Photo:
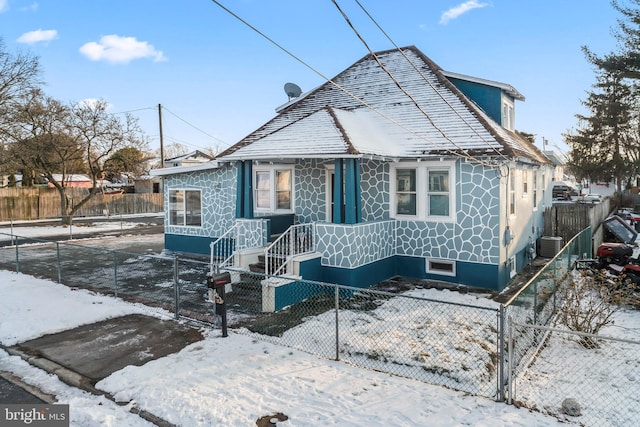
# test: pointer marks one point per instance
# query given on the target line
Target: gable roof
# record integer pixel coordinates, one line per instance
(196, 155)
(510, 90)
(362, 111)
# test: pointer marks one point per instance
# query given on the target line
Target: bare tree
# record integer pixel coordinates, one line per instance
(57, 140)
(19, 75)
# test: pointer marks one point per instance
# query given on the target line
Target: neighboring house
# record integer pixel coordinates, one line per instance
(375, 182)
(73, 181)
(192, 158)
(152, 183)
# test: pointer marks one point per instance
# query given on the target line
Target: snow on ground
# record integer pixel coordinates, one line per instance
(88, 224)
(231, 381)
(235, 380)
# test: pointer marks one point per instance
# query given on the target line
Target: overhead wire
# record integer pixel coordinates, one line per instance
(346, 91)
(136, 110)
(179, 118)
(375, 22)
(193, 126)
(406, 93)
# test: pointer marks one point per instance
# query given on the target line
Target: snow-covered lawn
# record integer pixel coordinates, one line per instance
(235, 380)
(231, 381)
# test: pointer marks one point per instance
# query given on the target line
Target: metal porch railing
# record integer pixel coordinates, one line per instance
(242, 235)
(297, 240)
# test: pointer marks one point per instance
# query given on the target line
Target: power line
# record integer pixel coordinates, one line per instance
(136, 110)
(435, 89)
(193, 126)
(364, 103)
(407, 94)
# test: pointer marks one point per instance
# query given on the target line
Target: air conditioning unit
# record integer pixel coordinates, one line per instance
(549, 246)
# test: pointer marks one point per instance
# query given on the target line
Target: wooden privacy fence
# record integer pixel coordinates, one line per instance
(567, 220)
(41, 203)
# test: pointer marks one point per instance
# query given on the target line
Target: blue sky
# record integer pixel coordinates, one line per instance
(219, 80)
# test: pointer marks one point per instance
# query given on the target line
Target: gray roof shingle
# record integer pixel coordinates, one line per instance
(363, 112)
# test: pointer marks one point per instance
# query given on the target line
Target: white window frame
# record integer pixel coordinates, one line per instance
(508, 113)
(512, 267)
(431, 270)
(525, 183)
(272, 170)
(183, 208)
(534, 189)
(512, 194)
(422, 190)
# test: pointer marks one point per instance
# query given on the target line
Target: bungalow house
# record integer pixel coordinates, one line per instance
(393, 167)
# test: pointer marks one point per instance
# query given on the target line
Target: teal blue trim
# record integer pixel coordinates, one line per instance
(484, 276)
(248, 189)
(487, 97)
(350, 193)
(358, 191)
(279, 223)
(239, 190)
(295, 292)
(188, 244)
(338, 193)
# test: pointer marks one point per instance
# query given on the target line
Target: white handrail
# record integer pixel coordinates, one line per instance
(297, 240)
(226, 246)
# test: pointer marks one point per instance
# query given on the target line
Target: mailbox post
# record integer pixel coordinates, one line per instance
(217, 283)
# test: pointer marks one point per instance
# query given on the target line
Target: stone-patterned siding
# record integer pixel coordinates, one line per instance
(374, 178)
(251, 233)
(474, 237)
(478, 234)
(351, 246)
(310, 190)
(218, 202)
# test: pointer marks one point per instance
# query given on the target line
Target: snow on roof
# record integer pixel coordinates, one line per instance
(363, 112)
(71, 177)
(503, 86)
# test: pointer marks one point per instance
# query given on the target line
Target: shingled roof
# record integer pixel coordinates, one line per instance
(363, 112)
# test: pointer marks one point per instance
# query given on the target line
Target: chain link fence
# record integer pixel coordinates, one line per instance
(603, 382)
(536, 302)
(401, 330)
(405, 334)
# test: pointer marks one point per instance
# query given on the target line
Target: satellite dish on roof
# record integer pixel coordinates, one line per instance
(292, 90)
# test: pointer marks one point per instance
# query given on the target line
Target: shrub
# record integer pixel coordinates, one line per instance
(587, 303)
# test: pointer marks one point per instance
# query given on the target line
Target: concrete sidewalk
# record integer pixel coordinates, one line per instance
(83, 356)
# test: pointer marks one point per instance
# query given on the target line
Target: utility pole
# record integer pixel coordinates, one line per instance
(161, 138)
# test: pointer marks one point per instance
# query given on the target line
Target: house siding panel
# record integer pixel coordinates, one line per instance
(218, 190)
(311, 190)
(374, 184)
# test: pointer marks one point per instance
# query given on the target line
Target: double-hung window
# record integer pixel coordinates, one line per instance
(439, 198)
(423, 191)
(535, 189)
(273, 189)
(406, 195)
(185, 208)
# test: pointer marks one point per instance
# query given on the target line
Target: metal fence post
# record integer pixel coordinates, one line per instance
(510, 362)
(115, 273)
(58, 262)
(176, 290)
(17, 255)
(501, 355)
(337, 304)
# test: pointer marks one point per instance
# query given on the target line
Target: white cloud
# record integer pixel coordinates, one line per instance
(37, 36)
(33, 7)
(463, 8)
(4, 5)
(120, 50)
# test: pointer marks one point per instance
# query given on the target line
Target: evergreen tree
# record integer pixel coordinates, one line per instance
(606, 147)
(628, 34)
